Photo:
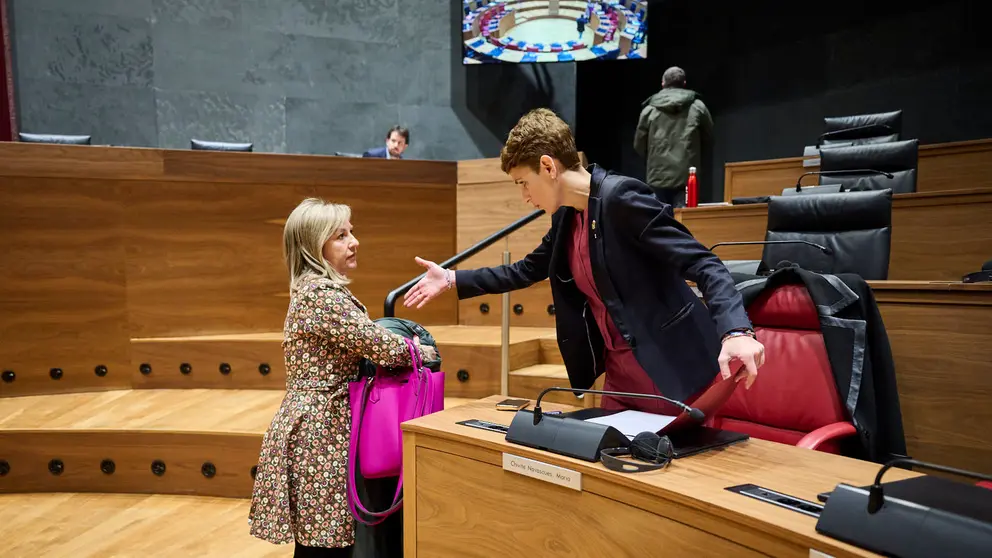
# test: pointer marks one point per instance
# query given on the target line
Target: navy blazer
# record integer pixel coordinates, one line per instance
(641, 258)
(377, 152)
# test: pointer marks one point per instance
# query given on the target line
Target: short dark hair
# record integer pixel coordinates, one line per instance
(673, 77)
(401, 131)
(537, 133)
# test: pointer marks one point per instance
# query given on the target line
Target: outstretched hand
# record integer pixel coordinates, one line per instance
(435, 282)
(750, 352)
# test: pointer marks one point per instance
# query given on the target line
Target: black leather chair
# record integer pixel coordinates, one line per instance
(861, 129)
(898, 158)
(200, 145)
(854, 227)
(54, 138)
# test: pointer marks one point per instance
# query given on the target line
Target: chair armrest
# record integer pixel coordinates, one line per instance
(827, 433)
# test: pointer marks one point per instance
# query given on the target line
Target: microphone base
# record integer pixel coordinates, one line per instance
(564, 435)
(925, 516)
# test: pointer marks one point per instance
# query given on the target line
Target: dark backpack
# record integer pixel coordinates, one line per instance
(408, 329)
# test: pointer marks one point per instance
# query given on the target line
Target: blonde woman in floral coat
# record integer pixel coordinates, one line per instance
(300, 490)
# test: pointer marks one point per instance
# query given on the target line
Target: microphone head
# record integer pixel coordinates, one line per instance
(696, 414)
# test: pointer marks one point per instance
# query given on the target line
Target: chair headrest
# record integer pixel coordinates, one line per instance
(891, 119)
(202, 145)
(785, 306)
(54, 138)
(824, 213)
(891, 156)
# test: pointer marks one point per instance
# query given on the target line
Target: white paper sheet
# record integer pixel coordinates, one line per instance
(632, 423)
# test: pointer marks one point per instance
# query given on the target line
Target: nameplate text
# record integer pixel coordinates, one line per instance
(542, 471)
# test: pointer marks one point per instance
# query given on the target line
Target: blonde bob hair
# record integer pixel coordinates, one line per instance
(307, 229)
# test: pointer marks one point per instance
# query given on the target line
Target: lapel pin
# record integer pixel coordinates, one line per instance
(594, 224)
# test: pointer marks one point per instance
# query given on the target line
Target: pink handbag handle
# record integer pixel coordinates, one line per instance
(354, 500)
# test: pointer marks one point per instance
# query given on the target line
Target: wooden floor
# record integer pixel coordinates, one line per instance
(103, 525)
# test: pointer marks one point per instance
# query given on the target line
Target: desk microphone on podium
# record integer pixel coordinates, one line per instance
(573, 437)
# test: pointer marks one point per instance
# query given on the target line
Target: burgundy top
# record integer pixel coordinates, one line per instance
(623, 372)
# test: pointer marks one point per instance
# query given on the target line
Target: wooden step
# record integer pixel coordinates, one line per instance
(97, 525)
(471, 359)
(529, 382)
(191, 431)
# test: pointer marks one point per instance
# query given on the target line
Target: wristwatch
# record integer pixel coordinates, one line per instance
(739, 332)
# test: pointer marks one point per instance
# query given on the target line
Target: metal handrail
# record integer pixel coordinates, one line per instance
(389, 308)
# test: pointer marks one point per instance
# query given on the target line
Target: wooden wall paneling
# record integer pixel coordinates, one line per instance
(745, 179)
(710, 225)
(245, 357)
(939, 342)
(152, 243)
(940, 236)
(39, 160)
(81, 452)
(206, 258)
(488, 201)
(62, 285)
(954, 166)
(394, 226)
(534, 300)
(307, 170)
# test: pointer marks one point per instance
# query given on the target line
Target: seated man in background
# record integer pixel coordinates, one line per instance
(397, 140)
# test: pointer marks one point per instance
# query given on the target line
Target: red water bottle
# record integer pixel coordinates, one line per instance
(691, 190)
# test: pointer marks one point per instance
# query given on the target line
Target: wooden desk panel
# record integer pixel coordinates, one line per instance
(688, 499)
(62, 285)
(942, 166)
(530, 517)
(936, 237)
(939, 336)
(132, 163)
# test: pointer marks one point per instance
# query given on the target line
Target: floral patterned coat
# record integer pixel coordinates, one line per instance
(301, 485)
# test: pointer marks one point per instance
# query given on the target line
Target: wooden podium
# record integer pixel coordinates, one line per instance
(462, 502)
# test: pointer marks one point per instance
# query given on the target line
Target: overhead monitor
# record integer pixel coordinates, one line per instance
(525, 31)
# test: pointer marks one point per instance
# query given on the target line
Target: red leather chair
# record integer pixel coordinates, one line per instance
(794, 400)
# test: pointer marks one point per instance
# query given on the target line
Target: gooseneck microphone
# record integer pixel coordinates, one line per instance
(843, 172)
(876, 494)
(694, 413)
(821, 247)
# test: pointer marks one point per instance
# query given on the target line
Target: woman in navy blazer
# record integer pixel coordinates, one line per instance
(618, 262)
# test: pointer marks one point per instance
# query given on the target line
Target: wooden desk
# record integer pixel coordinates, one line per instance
(942, 166)
(937, 236)
(461, 503)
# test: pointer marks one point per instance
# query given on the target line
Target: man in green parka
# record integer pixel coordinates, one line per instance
(673, 126)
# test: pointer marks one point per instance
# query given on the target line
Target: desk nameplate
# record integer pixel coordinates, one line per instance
(542, 471)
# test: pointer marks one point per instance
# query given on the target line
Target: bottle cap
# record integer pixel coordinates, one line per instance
(692, 169)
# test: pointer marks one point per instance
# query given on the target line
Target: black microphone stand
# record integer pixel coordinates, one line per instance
(694, 413)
